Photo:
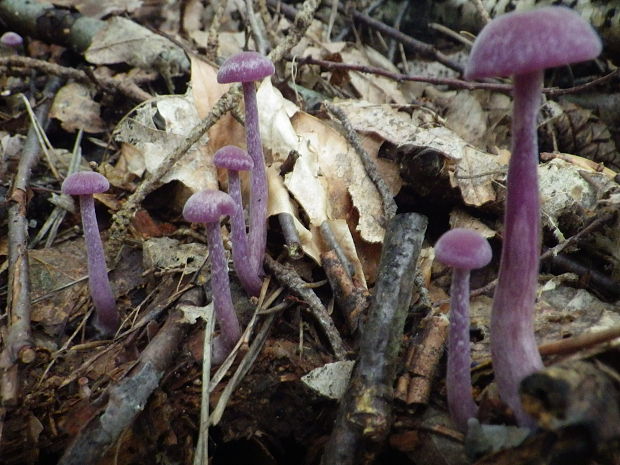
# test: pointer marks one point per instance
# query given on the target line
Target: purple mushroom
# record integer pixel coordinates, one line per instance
(463, 250)
(234, 160)
(208, 207)
(523, 44)
(247, 67)
(84, 184)
(11, 39)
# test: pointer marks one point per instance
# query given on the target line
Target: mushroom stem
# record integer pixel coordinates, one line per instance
(247, 275)
(458, 377)
(107, 319)
(258, 205)
(513, 345)
(220, 285)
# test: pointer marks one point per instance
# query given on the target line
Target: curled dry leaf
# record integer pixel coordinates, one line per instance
(167, 254)
(152, 132)
(473, 171)
(75, 109)
(326, 177)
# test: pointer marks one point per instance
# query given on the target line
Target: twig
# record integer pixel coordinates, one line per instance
(422, 361)
(292, 242)
(332, 243)
(352, 300)
(289, 278)
(129, 396)
(389, 205)
(257, 29)
(243, 368)
(123, 86)
(52, 224)
(450, 82)
(484, 14)
(202, 445)
(409, 42)
(18, 340)
(579, 342)
(364, 415)
(400, 14)
(213, 37)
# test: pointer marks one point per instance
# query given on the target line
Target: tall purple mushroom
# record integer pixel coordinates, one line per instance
(234, 160)
(84, 184)
(523, 44)
(247, 67)
(463, 250)
(208, 207)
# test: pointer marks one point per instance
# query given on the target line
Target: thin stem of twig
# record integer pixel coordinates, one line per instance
(202, 446)
(125, 86)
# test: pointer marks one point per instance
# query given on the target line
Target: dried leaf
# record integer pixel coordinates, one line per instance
(164, 253)
(75, 109)
(146, 145)
(123, 41)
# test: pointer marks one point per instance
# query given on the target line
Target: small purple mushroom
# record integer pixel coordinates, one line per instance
(463, 250)
(523, 44)
(234, 160)
(84, 184)
(247, 67)
(11, 39)
(208, 207)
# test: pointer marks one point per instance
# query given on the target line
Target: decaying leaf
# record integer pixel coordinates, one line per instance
(75, 109)
(154, 130)
(474, 171)
(330, 380)
(165, 253)
(124, 41)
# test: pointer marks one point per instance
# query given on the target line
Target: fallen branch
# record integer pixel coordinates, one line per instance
(365, 412)
(18, 340)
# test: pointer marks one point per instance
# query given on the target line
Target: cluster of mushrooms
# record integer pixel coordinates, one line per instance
(521, 44)
(207, 207)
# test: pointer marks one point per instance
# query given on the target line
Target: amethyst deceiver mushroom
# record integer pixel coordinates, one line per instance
(246, 68)
(84, 184)
(463, 250)
(234, 160)
(208, 207)
(523, 44)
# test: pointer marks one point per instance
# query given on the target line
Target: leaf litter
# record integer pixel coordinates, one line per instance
(465, 132)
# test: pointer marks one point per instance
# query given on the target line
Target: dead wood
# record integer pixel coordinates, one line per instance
(17, 335)
(364, 415)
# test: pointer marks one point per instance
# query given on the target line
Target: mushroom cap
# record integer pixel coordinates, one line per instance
(245, 67)
(463, 248)
(208, 206)
(233, 158)
(525, 41)
(11, 39)
(85, 183)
